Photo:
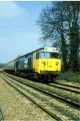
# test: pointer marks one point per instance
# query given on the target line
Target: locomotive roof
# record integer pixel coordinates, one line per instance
(25, 55)
(48, 49)
(30, 53)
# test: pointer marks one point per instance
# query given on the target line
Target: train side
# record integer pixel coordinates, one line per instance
(9, 67)
(43, 63)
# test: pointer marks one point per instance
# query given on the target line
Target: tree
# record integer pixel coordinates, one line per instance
(73, 20)
(52, 25)
(59, 23)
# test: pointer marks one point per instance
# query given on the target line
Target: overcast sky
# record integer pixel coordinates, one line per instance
(19, 33)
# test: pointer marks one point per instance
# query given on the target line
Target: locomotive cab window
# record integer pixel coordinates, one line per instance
(48, 55)
(37, 55)
(54, 55)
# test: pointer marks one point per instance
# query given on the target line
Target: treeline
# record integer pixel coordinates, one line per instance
(60, 25)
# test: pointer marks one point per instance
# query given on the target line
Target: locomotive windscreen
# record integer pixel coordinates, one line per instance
(48, 55)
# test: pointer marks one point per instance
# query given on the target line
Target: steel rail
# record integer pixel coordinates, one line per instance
(72, 86)
(48, 112)
(68, 101)
(66, 89)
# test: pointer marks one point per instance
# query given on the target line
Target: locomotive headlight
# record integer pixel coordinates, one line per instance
(57, 63)
(44, 62)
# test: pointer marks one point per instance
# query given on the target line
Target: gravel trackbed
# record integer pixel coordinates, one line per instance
(16, 107)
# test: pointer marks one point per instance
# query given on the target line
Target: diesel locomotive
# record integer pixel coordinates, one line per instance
(43, 63)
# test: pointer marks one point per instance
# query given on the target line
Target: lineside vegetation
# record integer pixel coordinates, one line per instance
(70, 76)
(60, 26)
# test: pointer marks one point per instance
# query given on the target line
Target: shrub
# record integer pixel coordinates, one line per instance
(70, 76)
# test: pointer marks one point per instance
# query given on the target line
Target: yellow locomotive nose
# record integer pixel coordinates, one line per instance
(50, 65)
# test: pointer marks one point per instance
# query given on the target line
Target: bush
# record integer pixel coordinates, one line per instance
(70, 76)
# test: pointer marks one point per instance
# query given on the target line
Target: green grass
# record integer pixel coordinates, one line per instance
(70, 76)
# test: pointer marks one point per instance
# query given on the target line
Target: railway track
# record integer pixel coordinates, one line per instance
(19, 88)
(50, 112)
(64, 88)
(67, 85)
(68, 101)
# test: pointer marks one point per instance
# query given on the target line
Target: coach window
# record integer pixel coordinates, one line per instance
(37, 55)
